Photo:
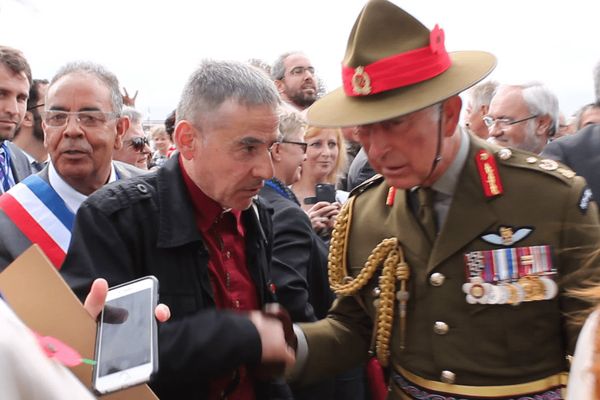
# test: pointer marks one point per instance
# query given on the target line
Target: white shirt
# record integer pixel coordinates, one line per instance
(72, 197)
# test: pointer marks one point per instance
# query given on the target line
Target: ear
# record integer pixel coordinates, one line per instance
(186, 138)
(28, 120)
(276, 155)
(483, 110)
(122, 126)
(543, 125)
(451, 115)
(280, 86)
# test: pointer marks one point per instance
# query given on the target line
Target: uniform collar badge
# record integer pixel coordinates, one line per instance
(507, 236)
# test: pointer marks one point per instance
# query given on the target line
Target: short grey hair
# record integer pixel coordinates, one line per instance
(581, 111)
(134, 115)
(481, 94)
(290, 122)
(540, 101)
(104, 75)
(215, 82)
(278, 68)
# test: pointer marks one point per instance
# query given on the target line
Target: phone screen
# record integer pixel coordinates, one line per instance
(126, 333)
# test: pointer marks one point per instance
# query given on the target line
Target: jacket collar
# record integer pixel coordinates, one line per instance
(177, 226)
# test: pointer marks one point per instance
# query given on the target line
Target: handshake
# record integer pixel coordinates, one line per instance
(278, 341)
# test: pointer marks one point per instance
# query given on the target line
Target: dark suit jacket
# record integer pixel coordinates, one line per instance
(299, 265)
(19, 164)
(13, 242)
(581, 152)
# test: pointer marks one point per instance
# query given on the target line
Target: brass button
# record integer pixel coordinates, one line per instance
(441, 328)
(448, 376)
(437, 279)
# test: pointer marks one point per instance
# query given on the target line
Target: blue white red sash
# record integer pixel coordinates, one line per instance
(42, 215)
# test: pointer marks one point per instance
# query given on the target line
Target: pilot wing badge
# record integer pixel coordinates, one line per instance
(507, 236)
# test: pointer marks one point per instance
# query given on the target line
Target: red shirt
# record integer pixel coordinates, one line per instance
(233, 288)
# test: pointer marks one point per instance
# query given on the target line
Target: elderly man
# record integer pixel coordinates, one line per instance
(83, 125)
(294, 76)
(136, 148)
(452, 266)
(197, 226)
(15, 81)
(523, 117)
(477, 107)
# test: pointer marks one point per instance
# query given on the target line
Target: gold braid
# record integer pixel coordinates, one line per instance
(388, 252)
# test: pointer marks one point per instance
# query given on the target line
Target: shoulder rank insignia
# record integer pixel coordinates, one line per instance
(584, 200)
(488, 173)
(507, 236)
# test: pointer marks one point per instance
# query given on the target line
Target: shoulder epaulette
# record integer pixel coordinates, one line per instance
(366, 185)
(522, 159)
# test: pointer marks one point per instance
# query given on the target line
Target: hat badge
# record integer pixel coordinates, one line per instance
(361, 81)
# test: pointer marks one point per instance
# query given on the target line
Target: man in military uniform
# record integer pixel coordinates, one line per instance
(452, 265)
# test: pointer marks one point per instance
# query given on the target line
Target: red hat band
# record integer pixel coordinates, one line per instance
(399, 70)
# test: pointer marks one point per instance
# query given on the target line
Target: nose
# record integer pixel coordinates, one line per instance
(495, 130)
(10, 106)
(72, 127)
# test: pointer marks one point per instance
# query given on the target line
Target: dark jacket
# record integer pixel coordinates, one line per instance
(299, 266)
(146, 226)
(581, 152)
(19, 164)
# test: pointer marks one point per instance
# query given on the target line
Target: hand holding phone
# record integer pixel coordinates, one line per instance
(126, 340)
(324, 192)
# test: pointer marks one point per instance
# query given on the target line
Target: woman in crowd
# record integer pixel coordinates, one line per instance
(325, 159)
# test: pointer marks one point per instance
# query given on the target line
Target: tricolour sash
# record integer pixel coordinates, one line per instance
(42, 215)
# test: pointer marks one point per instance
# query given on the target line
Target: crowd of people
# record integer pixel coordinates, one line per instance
(418, 248)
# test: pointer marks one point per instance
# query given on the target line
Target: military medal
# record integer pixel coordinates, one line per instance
(509, 275)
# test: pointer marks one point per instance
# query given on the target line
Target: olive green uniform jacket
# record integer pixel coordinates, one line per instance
(484, 344)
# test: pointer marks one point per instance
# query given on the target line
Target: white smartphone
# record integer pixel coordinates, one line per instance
(126, 339)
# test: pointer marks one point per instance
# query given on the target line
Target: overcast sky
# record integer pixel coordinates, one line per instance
(153, 46)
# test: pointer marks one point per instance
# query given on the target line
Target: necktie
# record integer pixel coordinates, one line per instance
(4, 171)
(37, 166)
(425, 213)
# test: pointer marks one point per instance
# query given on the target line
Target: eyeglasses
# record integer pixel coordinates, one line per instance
(88, 119)
(504, 122)
(303, 145)
(297, 71)
(138, 143)
(36, 106)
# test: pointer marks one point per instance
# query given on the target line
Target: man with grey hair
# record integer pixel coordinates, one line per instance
(136, 149)
(477, 107)
(294, 76)
(83, 125)
(197, 225)
(523, 116)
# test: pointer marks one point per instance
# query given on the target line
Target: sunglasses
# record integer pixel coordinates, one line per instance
(138, 143)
